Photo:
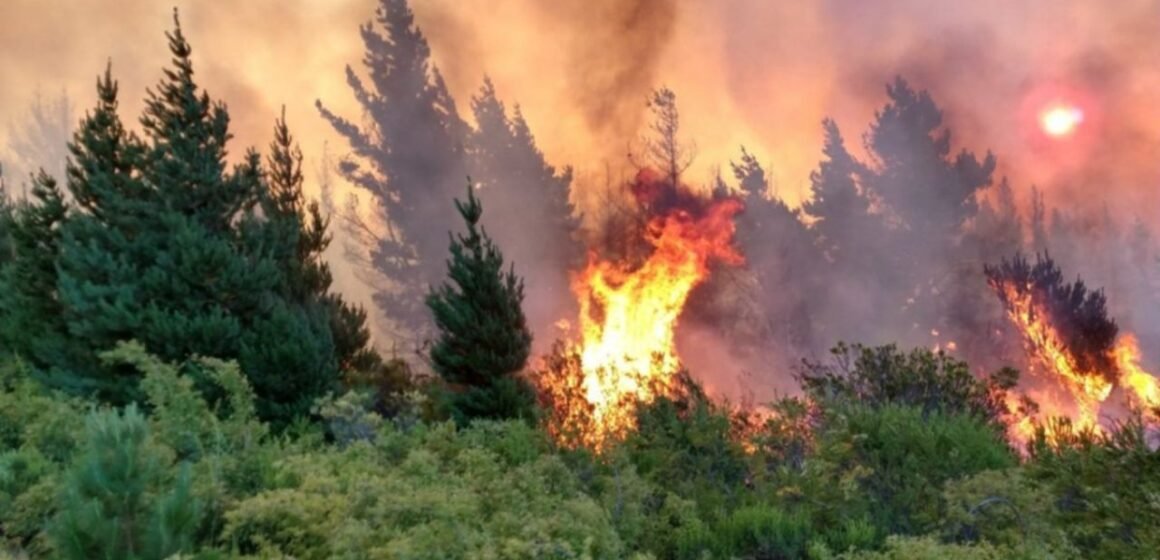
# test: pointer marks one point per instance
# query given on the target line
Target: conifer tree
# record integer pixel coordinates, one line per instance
(931, 193)
(409, 156)
(120, 503)
(1079, 315)
(302, 228)
(170, 246)
(781, 252)
(33, 323)
(6, 224)
(839, 207)
(998, 230)
(512, 172)
(484, 339)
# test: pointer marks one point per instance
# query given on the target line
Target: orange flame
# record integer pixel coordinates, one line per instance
(1142, 386)
(1087, 389)
(628, 315)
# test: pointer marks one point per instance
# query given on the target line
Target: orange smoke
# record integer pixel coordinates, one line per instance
(629, 313)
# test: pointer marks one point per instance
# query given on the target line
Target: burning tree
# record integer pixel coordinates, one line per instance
(629, 310)
(1079, 316)
(1067, 330)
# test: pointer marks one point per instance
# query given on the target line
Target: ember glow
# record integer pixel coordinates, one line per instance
(629, 312)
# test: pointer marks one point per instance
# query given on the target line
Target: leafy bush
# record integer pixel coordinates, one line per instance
(931, 381)
(1106, 487)
(448, 496)
(890, 463)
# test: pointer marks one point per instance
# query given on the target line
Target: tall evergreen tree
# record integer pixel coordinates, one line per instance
(998, 229)
(169, 246)
(302, 228)
(409, 156)
(33, 323)
(663, 149)
(1038, 220)
(839, 207)
(931, 197)
(484, 339)
(540, 225)
(780, 251)
(855, 240)
(7, 249)
(930, 193)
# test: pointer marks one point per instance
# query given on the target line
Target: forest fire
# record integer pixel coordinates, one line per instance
(1067, 333)
(629, 310)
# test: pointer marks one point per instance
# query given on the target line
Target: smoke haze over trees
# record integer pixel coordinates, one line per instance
(730, 280)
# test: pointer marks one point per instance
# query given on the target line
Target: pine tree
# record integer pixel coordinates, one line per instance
(33, 322)
(930, 193)
(483, 339)
(169, 246)
(1038, 220)
(663, 150)
(998, 230)
(409, 157)
(839, 207)
(1079, 315)
(855, 240)
(119, 501)
(781, 252)
(512, 172)
(7, 248)
(303, 229)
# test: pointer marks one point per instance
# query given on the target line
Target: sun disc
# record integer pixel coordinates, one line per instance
(1060, 120)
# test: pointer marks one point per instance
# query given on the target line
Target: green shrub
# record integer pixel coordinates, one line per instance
(890, 464)
(119, 499)
(1106, 487)
(450, 495)
(931, 381)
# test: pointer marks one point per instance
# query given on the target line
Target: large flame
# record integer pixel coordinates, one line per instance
(629, 312)
(1087, 390)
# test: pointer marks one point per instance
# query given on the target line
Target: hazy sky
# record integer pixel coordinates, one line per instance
(754, 72)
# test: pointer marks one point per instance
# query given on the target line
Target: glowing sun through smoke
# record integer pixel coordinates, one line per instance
(1060, 119)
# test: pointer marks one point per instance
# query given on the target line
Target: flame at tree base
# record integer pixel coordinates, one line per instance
(629, 313)
(1077, 384)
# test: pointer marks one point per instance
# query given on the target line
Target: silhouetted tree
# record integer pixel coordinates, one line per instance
(998, 229)
(663, 149)
(859, 269)
(930, 193)
(40, 139)
(409, 155)
(536, 224)
(1038, 221)
(484, 339)
(781, 265)
(839, 208)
